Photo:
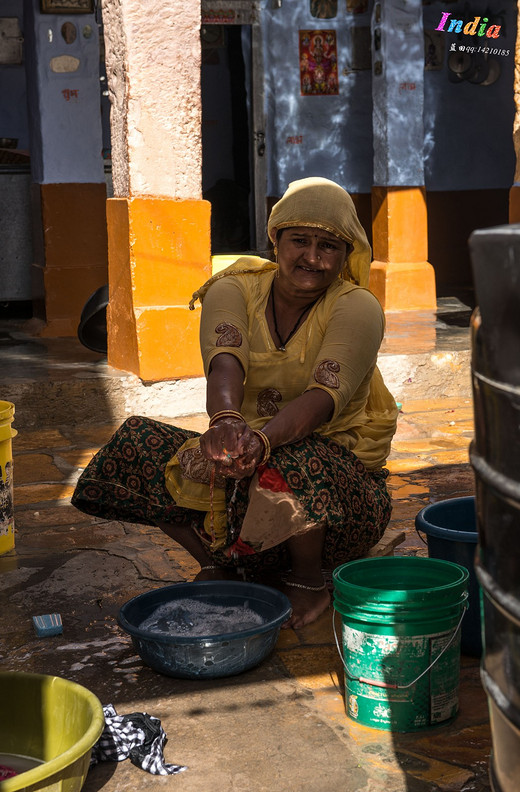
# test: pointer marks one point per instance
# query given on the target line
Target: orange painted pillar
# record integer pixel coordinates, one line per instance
(401, 277)
(159, 248)
(159, 254)
(70, 263)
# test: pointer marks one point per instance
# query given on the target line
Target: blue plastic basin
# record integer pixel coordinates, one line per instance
(451, 530)
(207, 656)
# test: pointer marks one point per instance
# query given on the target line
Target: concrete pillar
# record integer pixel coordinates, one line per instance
(514, 193)
(158, 224)
(69, 192)
(401, 277)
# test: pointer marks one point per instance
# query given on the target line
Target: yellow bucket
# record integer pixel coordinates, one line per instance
(6, 477)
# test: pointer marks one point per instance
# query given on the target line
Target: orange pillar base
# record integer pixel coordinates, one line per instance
(401, 277)
(159, 254)
(514, 204)
(405, 286)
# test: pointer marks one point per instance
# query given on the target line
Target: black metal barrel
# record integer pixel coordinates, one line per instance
(495, 457)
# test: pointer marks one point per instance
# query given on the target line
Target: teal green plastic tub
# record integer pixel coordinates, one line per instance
(401, 620)
(207, 656)
(49, 724)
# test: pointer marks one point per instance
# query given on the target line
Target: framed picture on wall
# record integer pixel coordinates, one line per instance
(67, 6)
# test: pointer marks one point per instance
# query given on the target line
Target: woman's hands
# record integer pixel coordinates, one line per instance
(233, 446)
(229, 442)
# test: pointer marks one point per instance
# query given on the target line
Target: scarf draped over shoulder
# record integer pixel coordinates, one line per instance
(321, 203)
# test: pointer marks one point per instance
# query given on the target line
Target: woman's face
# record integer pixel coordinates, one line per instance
(310, 259)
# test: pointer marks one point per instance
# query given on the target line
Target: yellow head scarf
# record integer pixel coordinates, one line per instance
(321, 203)
(317, 203)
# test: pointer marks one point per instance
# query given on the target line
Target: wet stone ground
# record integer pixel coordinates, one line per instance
(281, 726)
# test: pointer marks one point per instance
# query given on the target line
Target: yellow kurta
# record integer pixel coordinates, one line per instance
(334, 349)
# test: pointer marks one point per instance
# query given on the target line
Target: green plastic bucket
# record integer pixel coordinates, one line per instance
(401, 621)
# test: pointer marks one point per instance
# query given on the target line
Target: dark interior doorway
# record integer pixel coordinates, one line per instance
(226, 137)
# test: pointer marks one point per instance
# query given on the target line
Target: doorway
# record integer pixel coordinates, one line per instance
(233, 132)
(226, 136)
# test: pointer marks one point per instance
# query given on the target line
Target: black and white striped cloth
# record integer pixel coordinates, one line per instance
(138, 737)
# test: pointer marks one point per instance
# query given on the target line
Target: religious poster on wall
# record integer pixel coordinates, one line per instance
(318, 63)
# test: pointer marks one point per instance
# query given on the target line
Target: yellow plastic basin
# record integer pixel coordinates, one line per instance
(52, 720)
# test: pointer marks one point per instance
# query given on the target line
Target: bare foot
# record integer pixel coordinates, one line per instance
(306, 606)
(218, 573)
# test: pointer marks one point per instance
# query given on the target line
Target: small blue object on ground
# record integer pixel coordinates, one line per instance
(49, 624)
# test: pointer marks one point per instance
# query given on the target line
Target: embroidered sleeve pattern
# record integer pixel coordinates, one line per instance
(228, 335)
(326, 373)
(224, 324)
(266, 402)
(354, 330)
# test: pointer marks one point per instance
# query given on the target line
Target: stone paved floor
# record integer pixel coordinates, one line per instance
(279, 727)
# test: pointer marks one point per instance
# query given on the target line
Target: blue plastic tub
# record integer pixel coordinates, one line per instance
(207, 656)
(451, 530)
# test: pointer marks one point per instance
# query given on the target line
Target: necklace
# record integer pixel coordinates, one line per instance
(284, 342)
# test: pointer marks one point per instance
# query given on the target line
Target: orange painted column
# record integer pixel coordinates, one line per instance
(68, 194)
(159, 254)
(401, 277)
(159, 247)
(70, 264)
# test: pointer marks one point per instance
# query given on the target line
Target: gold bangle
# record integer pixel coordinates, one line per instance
(225, 414)
(266, 443)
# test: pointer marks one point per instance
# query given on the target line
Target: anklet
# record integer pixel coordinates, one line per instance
(208, 567)
(302, 586)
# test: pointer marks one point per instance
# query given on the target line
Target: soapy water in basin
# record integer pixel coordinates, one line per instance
(192, 617)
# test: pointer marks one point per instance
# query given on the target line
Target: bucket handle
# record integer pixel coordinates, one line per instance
(420, 537)
(390, 685)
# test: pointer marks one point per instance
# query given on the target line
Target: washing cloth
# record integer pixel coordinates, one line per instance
(138, 737)
(7, 772)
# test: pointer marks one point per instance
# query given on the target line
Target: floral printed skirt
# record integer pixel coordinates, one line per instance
(325, 484)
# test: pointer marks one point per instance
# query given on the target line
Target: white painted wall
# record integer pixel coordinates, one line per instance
(64, 107)
(153, 74)
(153, 65)
(13, 99)
(467, 128)
(335, 131)
(397, 93)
